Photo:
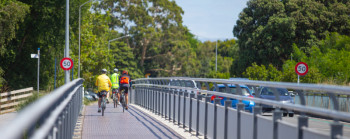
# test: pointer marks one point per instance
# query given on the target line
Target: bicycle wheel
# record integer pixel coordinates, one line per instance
(122, 101)
(114, 101)
(103, 105)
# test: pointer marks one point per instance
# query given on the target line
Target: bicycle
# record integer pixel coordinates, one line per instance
(115, 98)
(122, 99)
(103, 103)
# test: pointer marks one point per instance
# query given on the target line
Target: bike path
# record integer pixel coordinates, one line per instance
(131, 124)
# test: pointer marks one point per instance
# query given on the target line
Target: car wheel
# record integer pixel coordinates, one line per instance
(291, 114)
(285, 114)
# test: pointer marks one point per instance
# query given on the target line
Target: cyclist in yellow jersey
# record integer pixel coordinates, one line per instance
(104, 84)
(115, 82)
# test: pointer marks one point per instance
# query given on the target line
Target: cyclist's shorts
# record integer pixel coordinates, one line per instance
(115, 90)
(99, 94)
(125, 88)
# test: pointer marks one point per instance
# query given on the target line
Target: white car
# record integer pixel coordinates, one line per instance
(185, 83)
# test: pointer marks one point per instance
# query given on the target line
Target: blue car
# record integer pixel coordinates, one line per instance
(285, 97)
(232, 90)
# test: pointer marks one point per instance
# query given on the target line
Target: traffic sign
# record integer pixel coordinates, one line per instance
(301, 68)
(66, 63)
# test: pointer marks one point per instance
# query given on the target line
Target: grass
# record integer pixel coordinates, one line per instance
(88, 102)
(29, 100)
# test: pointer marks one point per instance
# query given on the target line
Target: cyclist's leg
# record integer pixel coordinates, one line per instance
(119, 94)
(99, 100)
(126, 97)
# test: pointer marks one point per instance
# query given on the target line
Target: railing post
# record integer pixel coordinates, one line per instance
(178, 108)
(162, 105)
(153, 100)
(302, 122)
(165, 103)
(216, 102)
(228, 104)
(190, 114)
(184, 110)
(199, 98)
(170, 92)
(336, 129)
(158, 110)
(256, 112)
(206, 117)
(277, 115)
(240, 107)
(174, 104)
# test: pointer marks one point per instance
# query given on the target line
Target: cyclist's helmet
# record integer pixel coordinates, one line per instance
(125, 72)
(115, 70)
(104, 71)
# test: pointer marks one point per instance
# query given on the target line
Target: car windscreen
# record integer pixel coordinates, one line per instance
(233, 90)
(189, 84)
(269, 91)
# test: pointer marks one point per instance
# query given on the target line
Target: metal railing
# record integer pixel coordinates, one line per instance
(194, 111)
(52, 116)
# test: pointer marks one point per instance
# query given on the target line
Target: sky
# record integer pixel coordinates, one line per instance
(211, 19)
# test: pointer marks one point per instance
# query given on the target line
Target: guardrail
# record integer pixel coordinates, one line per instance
(197, 113)
(9, 100)
(52, 116)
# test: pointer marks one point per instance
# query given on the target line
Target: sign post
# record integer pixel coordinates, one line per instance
(66, 63)
(301, 69)
(38, 57)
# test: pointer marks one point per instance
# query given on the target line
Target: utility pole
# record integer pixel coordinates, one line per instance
(216, 56)
(66, 79)
(38, 67)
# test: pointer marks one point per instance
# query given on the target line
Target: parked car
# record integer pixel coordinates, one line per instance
(88, 96)
(185, 83)
(94, 95)
(285, 97)
(233, 90)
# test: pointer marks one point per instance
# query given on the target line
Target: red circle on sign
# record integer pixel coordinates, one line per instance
(66, 63)
(301, 68)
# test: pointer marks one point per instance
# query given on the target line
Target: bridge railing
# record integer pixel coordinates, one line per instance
(195, 111)
(52, 116)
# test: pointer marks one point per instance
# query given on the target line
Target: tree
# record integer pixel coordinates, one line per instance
(12, 13)
(267, 29)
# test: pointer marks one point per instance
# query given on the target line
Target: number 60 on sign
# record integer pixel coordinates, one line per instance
(66, 63)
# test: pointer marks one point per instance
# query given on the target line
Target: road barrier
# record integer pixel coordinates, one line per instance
(9, 100)
(52, 116)
(195, 112)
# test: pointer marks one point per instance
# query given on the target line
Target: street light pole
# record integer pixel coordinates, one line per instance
(79, 35)
(216, 56)
(115, 40)
(109, 42)
(66, 79)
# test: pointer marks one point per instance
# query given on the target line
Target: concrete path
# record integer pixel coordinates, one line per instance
(131, 124)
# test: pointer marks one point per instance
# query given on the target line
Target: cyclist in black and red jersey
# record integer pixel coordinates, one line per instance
(124, 83)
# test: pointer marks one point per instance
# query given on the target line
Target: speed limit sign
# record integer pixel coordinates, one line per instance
(301, 68)
(66, 63)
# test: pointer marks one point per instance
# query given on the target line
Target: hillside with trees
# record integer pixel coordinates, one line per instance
(272, 36)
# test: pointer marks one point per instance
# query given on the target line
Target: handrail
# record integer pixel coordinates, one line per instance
(39, 111)
(301, 86)
(160, 97)
(311, 110)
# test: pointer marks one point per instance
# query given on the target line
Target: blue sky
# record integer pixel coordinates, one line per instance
(211, 19)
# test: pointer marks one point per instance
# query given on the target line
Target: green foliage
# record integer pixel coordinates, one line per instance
(267, 30)
(12, 13)
(29, 100)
